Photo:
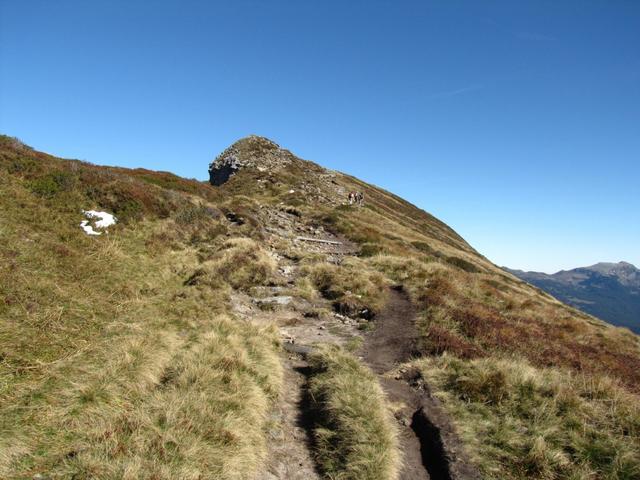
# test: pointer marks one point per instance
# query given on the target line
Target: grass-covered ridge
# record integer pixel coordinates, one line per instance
(114, 348)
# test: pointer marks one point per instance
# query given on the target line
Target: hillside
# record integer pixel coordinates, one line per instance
(610, 291)
(263, 328)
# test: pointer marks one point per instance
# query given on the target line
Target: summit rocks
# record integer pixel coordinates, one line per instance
(252, 152)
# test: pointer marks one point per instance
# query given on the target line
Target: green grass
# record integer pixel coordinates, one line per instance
(355, 435)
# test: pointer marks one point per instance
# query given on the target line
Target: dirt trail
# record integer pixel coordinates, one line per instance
(428, 441)
(290, 456)
(394, 338)
(429, 444)
(392, 342)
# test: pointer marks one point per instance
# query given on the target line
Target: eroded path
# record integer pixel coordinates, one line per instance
(394, 338)
(290, 456)
(430, 448)
(429, 444)
(393, 342)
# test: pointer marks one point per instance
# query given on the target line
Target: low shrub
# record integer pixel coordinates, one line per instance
(53, 183)
(194, 214)
(462, 264)
(370, 249)
(424, 247)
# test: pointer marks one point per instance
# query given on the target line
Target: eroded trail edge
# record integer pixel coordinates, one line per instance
(429, 444)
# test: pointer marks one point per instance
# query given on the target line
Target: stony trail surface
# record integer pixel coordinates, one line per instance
(290, 454)
(429, 445)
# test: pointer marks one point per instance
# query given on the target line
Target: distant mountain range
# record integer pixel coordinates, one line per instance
(610, 291)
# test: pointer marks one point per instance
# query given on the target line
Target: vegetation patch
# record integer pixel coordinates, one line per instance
(355, 435)
(523, 422)
(205, 418)
(110, 367)
(239, 262)
(462, 264)
(354, 289)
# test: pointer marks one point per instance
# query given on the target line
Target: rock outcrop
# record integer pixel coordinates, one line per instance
(252, 151)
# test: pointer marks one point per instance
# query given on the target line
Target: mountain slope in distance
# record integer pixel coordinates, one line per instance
(610, 291)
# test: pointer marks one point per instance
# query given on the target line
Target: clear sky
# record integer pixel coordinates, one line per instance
(515, 122)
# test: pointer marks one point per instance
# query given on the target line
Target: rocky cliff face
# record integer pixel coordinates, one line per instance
(252, 151)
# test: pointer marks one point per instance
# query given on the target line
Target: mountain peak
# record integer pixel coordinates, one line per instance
(610, 268)
(607, 290)
(255, 143)
(251, 151)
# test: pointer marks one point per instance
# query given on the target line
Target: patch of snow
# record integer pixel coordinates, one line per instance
(88, 229)
(104, 220)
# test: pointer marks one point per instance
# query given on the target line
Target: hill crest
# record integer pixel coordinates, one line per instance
(252, 151)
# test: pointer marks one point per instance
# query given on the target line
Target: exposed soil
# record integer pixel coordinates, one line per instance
(291, 440)
(429, 444)
(394, 338)
(290, 455)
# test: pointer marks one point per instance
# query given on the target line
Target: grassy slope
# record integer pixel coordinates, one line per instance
(526, 422)
(565, 385)
(110, 366)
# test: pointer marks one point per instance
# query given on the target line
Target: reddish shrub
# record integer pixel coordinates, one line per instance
(439, 340)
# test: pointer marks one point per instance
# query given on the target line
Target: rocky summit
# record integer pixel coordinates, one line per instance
(264, 325)
(252, 151)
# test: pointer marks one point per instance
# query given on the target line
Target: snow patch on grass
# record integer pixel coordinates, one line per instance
(102, 220)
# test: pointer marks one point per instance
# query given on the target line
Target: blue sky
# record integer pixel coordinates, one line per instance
(517, 123)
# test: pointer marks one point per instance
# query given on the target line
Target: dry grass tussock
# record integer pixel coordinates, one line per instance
(355, 435)
(203, 418)
(353, 287)
(239, 262)
(525, 422)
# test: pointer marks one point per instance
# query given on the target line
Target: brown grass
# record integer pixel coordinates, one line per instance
(103, 338)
